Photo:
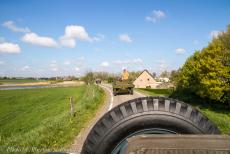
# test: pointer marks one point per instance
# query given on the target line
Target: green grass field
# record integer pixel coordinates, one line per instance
(40, 119)
(155, 92)
(219, 114)
(14, 81)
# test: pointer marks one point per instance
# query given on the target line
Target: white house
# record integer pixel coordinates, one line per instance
(145, 80)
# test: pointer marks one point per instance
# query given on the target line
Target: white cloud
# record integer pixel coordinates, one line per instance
(67, 63)
(74, 33)
(105, 64)
(130, 61)
(2, 62)
(180, 51)
(54, 69)
(33, 38)
(68, 42)
(214, 33)
(10, 25)
(24, 68)
(9, 48)
(53, 65)
(125, 38)
(155, 15)
(98, 37)
(77, 69)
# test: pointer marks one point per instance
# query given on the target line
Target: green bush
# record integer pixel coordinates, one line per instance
(207, 72)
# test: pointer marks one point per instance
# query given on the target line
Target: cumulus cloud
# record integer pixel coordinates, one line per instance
(214, 33)
(180, 51)
(74, 33)
(67, 63)
(125, 38)
(55, 69)
(68, 42)
(155, 15)
(105, 64)
(35, 39)
(129, 61)
(9, 48)
(77, 69)
(98, 37)
(25, 68)
(11, 25)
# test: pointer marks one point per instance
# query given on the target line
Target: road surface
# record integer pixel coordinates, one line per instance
(111, 102)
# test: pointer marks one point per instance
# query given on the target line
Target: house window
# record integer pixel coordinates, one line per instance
(148, 79)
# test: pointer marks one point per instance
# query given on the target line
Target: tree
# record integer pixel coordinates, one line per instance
(154, 74)
(207, 72)
(89, 78)
(165, 74)
(174, 76)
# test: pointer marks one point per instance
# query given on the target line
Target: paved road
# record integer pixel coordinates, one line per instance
(111, 102)
(116, 100)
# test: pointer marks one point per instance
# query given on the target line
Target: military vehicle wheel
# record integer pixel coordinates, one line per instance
(146, 115)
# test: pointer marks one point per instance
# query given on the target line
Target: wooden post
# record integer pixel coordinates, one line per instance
(71, 106)
(93, 92)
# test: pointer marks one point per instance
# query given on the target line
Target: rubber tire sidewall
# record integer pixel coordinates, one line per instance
(138, 122)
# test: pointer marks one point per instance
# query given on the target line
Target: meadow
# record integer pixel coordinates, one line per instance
(39, 120)
(14, 81)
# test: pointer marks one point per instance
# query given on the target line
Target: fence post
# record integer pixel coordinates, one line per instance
(71, 106)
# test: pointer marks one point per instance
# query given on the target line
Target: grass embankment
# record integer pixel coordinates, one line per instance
(39, 119)
(216, 112)
(14, 81)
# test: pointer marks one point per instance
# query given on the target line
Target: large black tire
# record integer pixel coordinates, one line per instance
(144, 113)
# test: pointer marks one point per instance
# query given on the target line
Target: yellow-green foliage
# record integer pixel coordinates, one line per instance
(207, 72)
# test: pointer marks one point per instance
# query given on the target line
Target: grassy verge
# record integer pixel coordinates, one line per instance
(14, 81)
(217, 113)
(38, 120)
(155, 92)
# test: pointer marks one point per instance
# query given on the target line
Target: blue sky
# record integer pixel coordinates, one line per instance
(71, 37)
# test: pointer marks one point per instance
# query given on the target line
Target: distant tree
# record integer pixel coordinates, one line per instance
(154, 74)
(133, 75)
(88, 78)
(174, 76)
(110, 79)
(207, 72)
(165, 74)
